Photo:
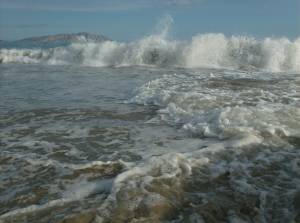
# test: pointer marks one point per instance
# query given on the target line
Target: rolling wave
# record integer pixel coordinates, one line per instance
(204, 50)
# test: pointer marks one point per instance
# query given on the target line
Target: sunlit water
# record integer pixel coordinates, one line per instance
(145, 144)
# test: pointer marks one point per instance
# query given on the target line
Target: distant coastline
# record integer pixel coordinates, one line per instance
(49, 41)
(67, 37)
(61, 37)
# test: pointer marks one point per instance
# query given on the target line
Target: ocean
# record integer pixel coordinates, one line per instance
(155, 130)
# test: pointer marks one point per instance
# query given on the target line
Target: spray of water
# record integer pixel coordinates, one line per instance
(213, 50)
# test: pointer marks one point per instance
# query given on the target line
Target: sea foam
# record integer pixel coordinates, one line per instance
(212, 50)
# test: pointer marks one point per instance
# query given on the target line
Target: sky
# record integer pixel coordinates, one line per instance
(127, 20)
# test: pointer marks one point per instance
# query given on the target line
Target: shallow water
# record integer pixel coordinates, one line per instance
(146, 144)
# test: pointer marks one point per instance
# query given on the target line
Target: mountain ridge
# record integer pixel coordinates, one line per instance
(57, 40)
(66, 37)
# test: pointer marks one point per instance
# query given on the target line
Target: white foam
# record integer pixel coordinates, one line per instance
(246, 116)
(212, 50)
(83, 188)
(33, 208)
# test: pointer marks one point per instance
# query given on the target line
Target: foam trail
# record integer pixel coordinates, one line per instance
(213, 50)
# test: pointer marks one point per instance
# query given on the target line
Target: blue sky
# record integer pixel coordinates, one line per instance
(126, 20)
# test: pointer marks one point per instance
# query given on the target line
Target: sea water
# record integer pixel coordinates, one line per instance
(154, 130)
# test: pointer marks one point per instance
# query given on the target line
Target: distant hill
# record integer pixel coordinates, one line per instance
(68, 37)
(54, 40)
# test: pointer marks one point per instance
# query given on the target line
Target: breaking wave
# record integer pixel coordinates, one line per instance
(204, 50)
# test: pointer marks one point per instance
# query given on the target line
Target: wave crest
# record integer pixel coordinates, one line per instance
(204, 50)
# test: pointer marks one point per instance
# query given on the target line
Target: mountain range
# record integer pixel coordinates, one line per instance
(54, 40)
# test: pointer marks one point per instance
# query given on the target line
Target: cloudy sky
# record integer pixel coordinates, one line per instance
(132, 19)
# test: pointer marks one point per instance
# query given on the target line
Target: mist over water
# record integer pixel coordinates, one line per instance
(154, 130)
